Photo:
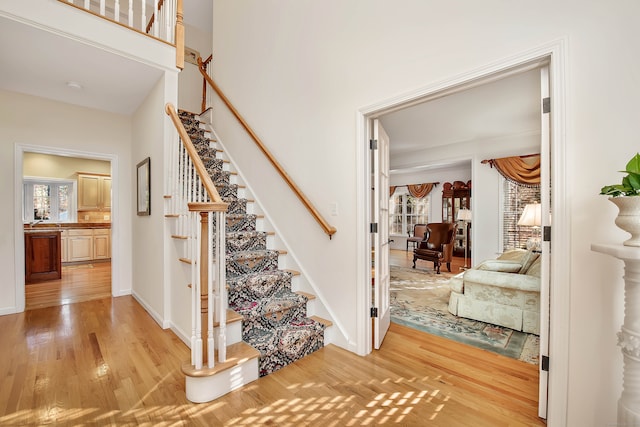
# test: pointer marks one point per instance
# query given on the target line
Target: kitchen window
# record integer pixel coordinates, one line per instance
(49, 200)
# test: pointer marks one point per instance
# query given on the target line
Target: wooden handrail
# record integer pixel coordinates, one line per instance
(216, 204)
(328, 229)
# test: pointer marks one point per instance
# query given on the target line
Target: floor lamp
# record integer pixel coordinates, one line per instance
(465, 216)
(532, 217)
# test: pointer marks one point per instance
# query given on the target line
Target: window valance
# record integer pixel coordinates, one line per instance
(522, 170)
(416, 190)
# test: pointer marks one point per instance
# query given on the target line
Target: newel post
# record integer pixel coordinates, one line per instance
(179, 36)
(204, 290)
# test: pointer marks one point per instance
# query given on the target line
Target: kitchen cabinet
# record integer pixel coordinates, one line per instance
(64, 245)
(86, 244)
(80, 245)
(94, 192)
(42, 255)
(101, 243)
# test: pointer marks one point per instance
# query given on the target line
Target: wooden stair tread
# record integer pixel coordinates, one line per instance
(232, 317)
(293, 272)
(309, 296)
(185, 260)
(237, 354)
(171, 215)
(325, 322)
(175, 236)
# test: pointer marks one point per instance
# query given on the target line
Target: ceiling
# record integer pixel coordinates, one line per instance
(509, 106)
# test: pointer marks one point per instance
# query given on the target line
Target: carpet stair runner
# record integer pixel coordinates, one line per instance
(274, 318)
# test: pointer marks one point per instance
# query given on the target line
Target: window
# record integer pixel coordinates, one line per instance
(49, 200)
(515, 197)
(406, 211)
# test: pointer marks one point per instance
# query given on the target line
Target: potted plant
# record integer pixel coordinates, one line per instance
(626, 197)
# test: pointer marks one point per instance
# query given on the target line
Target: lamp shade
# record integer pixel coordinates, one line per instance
(464, 215)
(532, 215)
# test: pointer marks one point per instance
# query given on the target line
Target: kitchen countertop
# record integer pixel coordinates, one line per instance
(65, 226)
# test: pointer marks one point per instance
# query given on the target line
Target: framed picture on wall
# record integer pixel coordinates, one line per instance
(144, 187)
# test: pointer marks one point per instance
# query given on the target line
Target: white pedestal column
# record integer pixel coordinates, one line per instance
(629, 335)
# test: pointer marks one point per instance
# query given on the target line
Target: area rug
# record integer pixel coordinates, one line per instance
(419, 299)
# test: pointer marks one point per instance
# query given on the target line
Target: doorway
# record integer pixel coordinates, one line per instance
(554, 56)
(69, 180)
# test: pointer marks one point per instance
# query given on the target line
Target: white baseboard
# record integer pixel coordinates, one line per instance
(159, 320)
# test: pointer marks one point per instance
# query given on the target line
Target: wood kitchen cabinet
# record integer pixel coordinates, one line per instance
(80, 245)
(42, 256)
(101, 243)
(94, 192)
(86, 244)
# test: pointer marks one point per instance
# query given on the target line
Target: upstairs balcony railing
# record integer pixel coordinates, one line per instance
(160, 19)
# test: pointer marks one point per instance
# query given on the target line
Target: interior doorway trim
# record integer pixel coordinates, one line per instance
(18, 225)
(554, 53)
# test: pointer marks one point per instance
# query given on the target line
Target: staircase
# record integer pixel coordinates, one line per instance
(273, 317)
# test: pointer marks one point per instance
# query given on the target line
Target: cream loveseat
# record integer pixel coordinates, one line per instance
(504, 291)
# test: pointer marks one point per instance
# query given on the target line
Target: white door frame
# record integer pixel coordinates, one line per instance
(116, 219)
(555, 53)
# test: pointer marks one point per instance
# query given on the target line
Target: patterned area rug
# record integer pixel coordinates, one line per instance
(419, 299)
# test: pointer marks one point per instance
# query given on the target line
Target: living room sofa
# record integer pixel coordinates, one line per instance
(504, 291)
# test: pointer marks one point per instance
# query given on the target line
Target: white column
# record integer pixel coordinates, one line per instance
(629, 335)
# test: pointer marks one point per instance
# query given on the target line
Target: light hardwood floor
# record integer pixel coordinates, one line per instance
(80, 282)
(106, 362)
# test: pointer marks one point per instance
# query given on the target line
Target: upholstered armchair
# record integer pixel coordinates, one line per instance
(419, 233)
(437, 246)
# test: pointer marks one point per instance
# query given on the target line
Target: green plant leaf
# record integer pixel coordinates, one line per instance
(634, 164)
(634, 180)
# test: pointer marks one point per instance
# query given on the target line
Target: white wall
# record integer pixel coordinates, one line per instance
(300, 77)
(31, 121)
(150, 278)
(190, 79)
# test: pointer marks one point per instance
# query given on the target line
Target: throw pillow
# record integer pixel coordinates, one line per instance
(502, 266)
(527, 260)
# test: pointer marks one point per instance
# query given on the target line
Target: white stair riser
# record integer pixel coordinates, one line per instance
(233, 333)
(206, 389)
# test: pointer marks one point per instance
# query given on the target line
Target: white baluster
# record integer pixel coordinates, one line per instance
(221, 281)
(166, 17)
(155, 20)
(143, 17)
(87, 4)
(130, 13)
(116, 11)
(196, 281)
(181, 188)
(194, 313)
(102, 8)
